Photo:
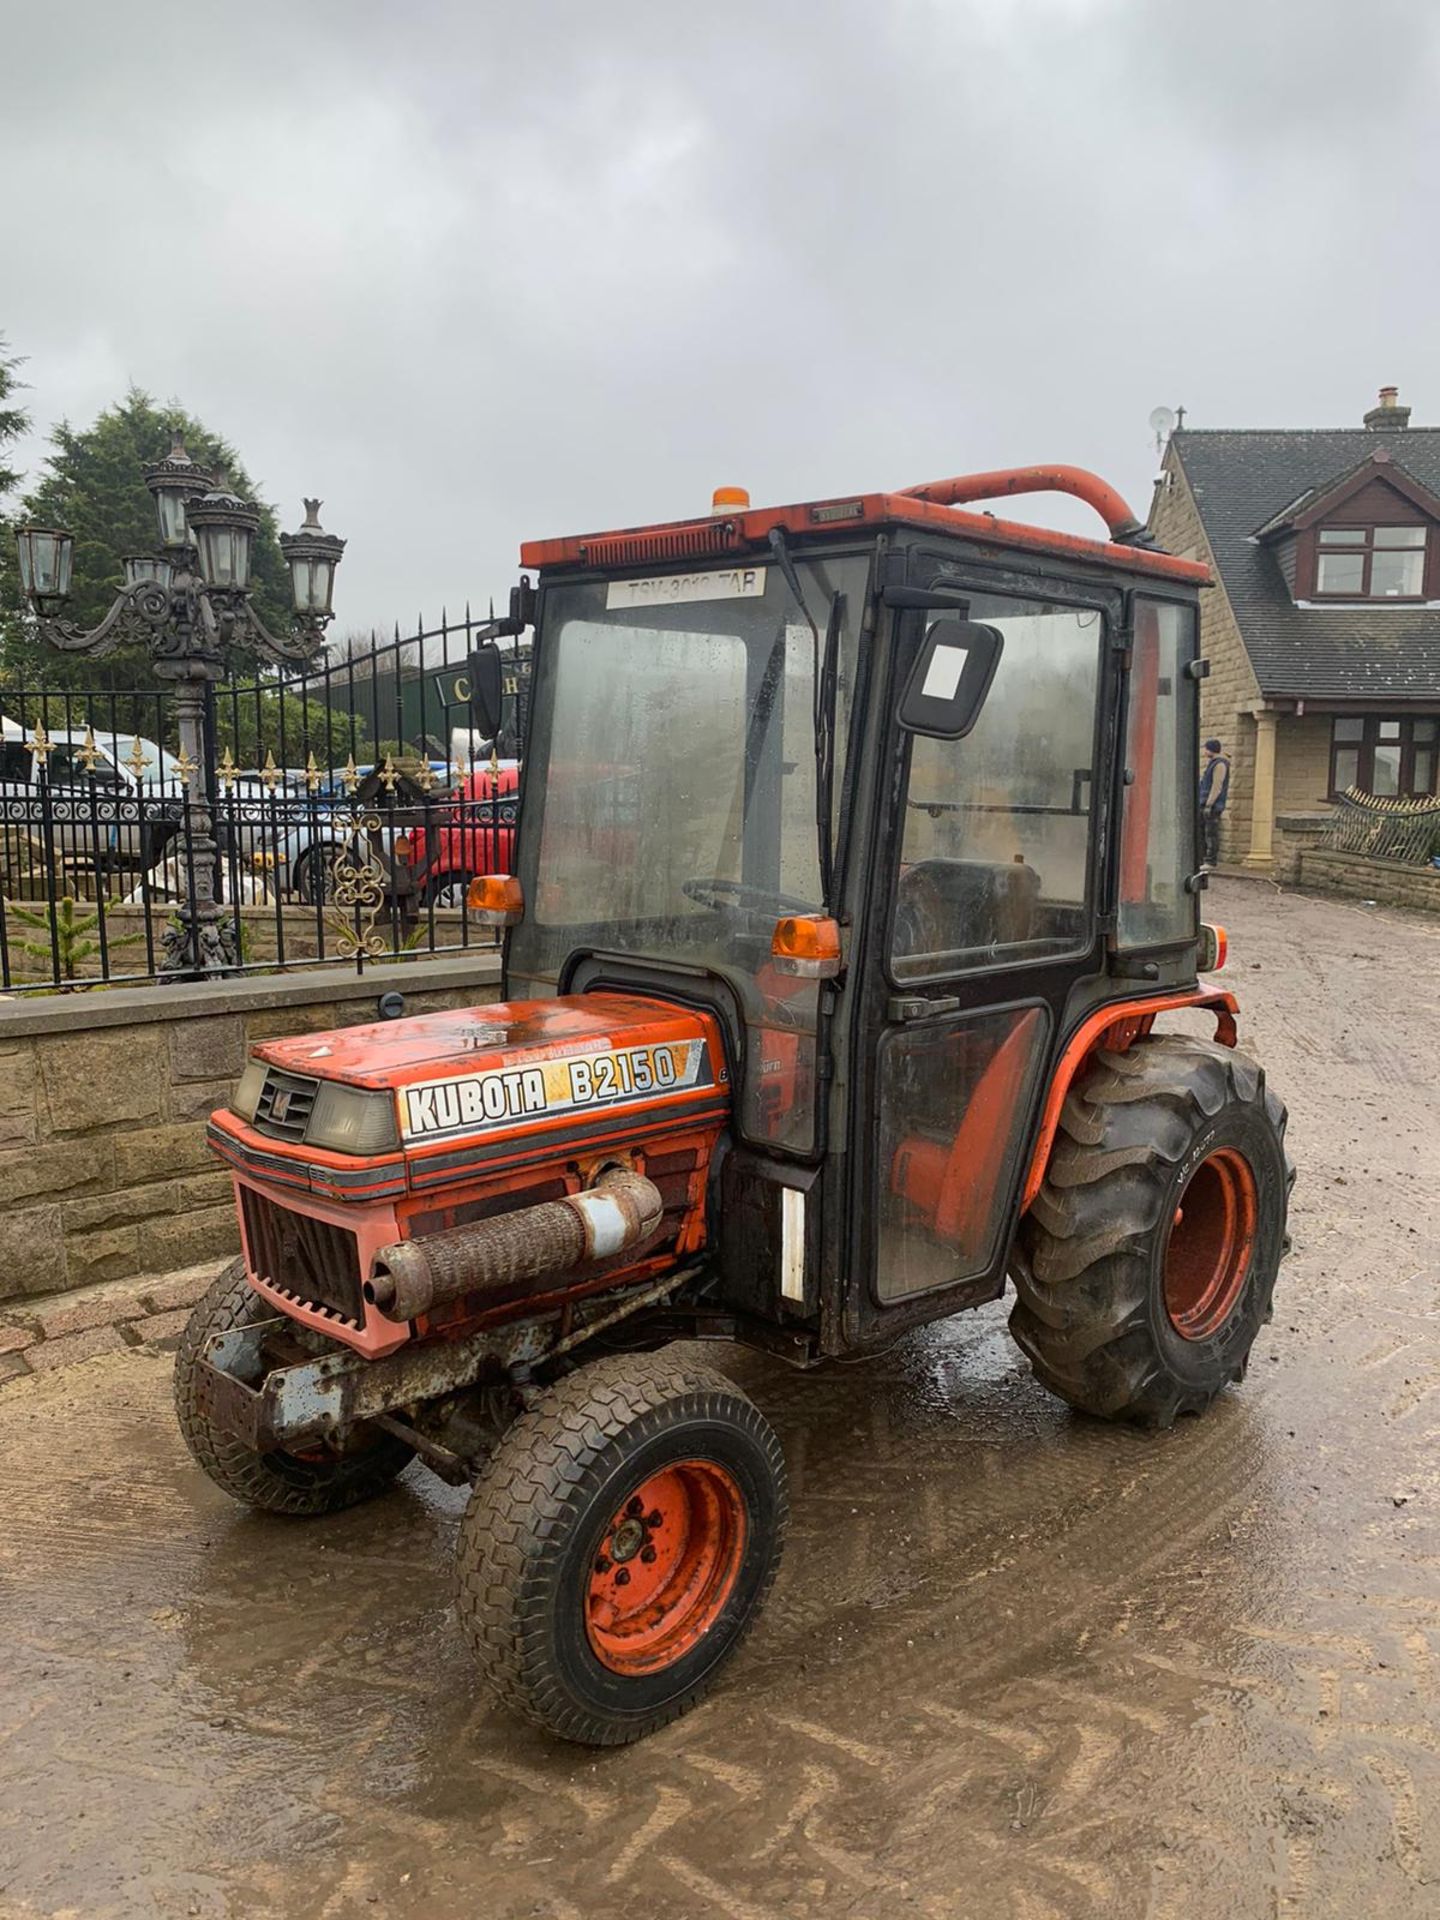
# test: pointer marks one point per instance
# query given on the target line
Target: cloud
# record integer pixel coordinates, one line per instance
(474, 273)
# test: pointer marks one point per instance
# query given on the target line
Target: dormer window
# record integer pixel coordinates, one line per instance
(1370, 563)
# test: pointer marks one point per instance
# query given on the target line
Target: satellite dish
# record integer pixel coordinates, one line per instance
(1162, 422)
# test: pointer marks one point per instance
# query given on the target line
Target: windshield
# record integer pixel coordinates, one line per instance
(674, 775)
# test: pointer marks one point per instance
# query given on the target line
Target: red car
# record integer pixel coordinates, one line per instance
(473, 833)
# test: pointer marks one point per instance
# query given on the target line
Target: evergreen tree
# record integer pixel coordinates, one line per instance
(13, 419)
(13, 422)
(95, 486)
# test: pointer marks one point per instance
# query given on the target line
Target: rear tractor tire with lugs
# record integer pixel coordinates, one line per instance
(1145, 1267)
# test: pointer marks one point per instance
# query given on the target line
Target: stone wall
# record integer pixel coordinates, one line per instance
(1302, 763)
(1231, 691)
(1295, 835)
(104, 1171)
(1391, 883)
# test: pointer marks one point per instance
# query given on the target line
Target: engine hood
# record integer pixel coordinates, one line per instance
(481, 1083)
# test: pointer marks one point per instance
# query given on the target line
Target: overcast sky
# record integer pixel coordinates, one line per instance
(474, 272)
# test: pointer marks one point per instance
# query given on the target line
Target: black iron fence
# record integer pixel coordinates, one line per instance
(340, 813)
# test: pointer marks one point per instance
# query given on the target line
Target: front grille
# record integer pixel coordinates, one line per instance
(285, 1103)
(313, 1262)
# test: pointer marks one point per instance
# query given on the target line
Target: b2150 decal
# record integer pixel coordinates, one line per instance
(475, 1103)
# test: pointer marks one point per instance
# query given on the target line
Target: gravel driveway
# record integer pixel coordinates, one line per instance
(1019, 1664)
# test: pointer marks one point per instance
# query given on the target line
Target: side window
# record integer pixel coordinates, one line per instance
(15, 763)
(995, 846)
(1157, 836)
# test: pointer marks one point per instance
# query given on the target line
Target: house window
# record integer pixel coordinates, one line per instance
(1387, 757)
(1371, 563)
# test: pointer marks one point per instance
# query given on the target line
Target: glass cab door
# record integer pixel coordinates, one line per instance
(988, 926)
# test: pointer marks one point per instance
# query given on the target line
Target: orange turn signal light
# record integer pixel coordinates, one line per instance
(1214, 949)
(807, 944)
(729, 500)
(496, 899)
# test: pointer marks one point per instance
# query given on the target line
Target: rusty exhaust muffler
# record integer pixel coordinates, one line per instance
(620, 1212)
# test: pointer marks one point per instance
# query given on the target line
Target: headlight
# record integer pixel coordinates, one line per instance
(352, 1120)
(246, 1097)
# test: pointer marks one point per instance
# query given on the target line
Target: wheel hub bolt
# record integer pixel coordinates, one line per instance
(647, 1554)
(654, 1519)
(629, 1538)
(622, 1577)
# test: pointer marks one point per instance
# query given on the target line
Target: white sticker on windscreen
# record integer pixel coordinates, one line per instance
(474, 1103)
(676, 589)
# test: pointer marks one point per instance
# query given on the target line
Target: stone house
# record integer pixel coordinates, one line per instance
(1323, 630)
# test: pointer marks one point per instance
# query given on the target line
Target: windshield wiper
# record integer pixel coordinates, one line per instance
(824, 675)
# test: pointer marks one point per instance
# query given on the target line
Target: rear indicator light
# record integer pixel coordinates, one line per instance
(496, 899)
(1214, 949)
(807, 944)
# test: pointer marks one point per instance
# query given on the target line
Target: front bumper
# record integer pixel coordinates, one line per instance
(272, 1407)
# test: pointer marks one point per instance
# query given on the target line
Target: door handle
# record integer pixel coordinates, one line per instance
(917, 1007)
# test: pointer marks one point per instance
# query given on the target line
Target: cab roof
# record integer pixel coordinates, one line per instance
(935, 506)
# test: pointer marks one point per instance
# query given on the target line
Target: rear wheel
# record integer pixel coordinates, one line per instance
(1145, 1267)
(313, 1483)
(619, 1544)
(315, 876)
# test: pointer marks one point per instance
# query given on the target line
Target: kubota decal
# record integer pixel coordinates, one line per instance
(435, 1109)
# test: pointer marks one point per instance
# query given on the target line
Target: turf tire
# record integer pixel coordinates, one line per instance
(274, 1482)
(539, 1516)
(1090, 1259)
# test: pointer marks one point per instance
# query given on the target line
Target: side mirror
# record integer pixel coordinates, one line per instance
(486, 689)
(951, 679)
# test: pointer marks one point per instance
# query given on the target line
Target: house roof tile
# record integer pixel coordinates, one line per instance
(1243, 480)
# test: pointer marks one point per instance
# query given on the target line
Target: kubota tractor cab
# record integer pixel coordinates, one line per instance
(855, 862)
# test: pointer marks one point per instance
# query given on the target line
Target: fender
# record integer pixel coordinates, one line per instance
(1117, 1026)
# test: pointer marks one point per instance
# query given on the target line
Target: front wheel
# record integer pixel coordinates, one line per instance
(1145, 1267)
(300, 1484)
(619, 1544)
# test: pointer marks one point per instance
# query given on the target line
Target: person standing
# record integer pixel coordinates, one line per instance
(1214, 792)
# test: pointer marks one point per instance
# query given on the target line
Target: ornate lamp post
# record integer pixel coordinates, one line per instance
(188, 601)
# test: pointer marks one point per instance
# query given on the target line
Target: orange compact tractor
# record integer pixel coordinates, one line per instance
(855, 862)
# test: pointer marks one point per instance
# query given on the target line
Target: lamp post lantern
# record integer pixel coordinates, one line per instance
(188, 601)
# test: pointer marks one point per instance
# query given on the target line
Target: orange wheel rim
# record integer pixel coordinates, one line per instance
(1211, 1241)
(665, 1568)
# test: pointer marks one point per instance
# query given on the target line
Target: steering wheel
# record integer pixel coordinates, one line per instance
(734, 896)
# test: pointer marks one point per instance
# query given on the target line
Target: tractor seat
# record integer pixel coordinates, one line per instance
(958, 906)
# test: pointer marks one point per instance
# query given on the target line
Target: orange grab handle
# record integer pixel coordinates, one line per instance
(1111, 506)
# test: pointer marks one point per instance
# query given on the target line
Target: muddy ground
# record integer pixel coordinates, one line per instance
(1019, 1664)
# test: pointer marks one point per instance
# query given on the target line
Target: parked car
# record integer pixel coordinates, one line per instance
(95, 809)
(473, 834)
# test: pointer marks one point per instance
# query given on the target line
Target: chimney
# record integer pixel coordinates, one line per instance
(1389, 416)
